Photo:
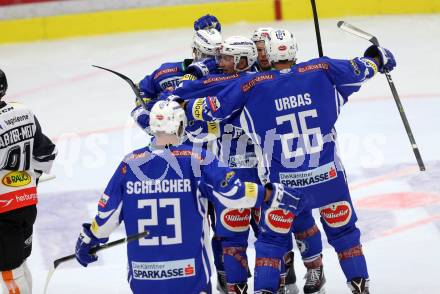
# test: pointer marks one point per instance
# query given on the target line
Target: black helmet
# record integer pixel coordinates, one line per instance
(3, 84)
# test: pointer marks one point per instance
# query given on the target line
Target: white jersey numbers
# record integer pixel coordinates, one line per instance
(155, 206)
(312, 140)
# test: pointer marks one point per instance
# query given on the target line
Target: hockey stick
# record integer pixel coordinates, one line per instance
(46, 178)
(317, 31)
(59, 261)
(130, 82)
(364, 35)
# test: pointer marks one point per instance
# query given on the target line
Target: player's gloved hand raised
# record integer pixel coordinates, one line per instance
(386, 58)
(85, 242)
(207, 22)
(202, 68)
(288, 200)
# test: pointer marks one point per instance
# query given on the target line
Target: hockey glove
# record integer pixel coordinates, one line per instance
(207, 22)
(202, 68)
(386, 58)
(86, 241)
(286, 199)
(144, 101)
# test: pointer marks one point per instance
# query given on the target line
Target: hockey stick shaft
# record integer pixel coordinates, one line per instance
(46, 178)
(360, 33)
(59, 261)
(129, 81)
(317, 31)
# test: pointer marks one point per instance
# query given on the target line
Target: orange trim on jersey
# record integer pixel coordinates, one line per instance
(17, 199)
(10, 283)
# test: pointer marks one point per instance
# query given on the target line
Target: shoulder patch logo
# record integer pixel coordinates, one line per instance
(166, 71)
(250, 84)
(312, 67)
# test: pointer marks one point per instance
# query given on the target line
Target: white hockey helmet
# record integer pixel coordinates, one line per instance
(167, 117)
(281, 45)
(261, 34)
(206, 43)
(238, 47)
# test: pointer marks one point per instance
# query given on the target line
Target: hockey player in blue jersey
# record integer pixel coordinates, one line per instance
(231, 226)
(236, 56)
(290, 115)
(259, 36)
(164, 189)
(205, 46)
(307, 235)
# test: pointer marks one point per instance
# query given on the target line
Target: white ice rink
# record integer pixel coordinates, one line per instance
(86, 111)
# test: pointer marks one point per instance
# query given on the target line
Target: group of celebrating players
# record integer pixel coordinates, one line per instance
(268, 123)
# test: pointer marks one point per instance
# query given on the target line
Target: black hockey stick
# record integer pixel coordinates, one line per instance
(130, 82)
(360, 33)
(59, 261)
(317, 31)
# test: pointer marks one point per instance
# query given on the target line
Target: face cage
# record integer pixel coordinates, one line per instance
(237, 61)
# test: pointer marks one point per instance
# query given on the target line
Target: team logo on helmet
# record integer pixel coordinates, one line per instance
(279, 34)
(279, 220)
(236, 220)
(336, 214)
(282, 48)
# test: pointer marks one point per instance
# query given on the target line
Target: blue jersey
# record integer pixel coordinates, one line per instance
(168, 75)
(233, 146)
(165, 191)
(290, 115)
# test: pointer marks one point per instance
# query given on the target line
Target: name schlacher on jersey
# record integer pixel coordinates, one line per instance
(16, 135)
(158, 186)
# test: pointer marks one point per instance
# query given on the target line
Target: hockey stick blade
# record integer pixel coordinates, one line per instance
(364, 35)
(357, 32)
(58, 261)
(124, 77)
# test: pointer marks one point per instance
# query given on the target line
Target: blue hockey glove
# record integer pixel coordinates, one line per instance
(387, 61)
(85, 242)
(288, 199)
(203, 68)
(207, 22)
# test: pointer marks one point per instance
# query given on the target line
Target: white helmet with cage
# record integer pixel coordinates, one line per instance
(238, 47)
(206, 43)
(281, 45)
(261, 34)
(168, 117)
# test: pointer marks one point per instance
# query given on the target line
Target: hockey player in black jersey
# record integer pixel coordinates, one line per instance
(25, 154)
